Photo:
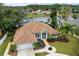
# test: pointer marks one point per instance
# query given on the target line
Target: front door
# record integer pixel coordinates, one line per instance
(38, 36)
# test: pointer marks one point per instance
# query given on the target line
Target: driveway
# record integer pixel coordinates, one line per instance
(25, 52)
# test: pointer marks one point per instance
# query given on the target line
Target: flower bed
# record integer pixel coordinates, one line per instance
(52, 38)
(38, 45)
(12, 50)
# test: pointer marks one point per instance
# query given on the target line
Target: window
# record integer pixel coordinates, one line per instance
(37, 35)
(75, 17)
(43, 35)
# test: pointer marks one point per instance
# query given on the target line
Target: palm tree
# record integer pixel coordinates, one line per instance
(67, 28)
(54, 19)
(65, 11)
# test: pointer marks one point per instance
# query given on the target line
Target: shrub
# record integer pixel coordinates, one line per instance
(63, 38)
(12, 48)
(76, 31)
(50, 48)
(38, 45)
(52, 38)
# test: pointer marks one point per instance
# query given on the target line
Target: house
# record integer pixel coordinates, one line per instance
(37, 11)
(32, 32)
(41, 11)
(46, 12)
(70, 17)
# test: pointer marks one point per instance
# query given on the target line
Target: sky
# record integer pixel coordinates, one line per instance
(27, 2)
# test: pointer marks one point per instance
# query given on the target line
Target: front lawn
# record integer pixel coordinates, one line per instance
(4, 45)
(69, 48)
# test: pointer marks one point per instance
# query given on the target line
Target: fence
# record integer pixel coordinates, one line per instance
(3, 38)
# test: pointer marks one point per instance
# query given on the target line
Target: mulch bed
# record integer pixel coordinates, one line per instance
(42, 45)
(13, 53)
(61, 39)
(2, 36)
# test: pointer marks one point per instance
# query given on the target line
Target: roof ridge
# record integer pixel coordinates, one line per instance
(34, 28)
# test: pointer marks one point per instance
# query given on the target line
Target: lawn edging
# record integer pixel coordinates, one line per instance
(7, 49)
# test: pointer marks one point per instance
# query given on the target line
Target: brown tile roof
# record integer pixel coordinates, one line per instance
(38, 27)
(25, 33)
(23, 36)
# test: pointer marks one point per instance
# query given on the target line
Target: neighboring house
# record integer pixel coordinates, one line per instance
(71, 14)
(32, 32)
(46, 12)
(41, 12)
(37, 12)
(73, 20)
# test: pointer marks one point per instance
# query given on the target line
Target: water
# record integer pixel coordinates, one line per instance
(38, 19)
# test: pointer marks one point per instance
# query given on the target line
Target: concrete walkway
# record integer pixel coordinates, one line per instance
(45, 50)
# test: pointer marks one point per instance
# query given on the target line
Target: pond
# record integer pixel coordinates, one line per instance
(37, 19)
(41, 19)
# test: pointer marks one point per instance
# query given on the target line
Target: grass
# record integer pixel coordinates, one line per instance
(68, 48)
(4, 45)
(41, 54)
(34, 15)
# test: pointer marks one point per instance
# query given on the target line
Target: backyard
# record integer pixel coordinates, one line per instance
(69, 48)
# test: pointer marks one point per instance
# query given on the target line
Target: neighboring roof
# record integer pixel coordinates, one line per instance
(25, 33)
